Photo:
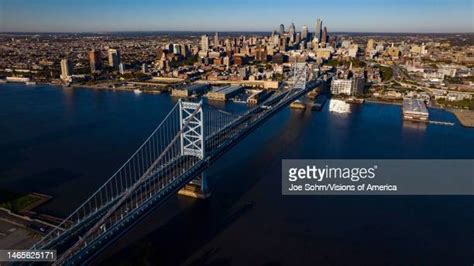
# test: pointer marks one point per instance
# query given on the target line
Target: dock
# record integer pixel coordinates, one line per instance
(465, 117)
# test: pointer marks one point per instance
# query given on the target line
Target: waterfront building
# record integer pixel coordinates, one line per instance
(350, 87)
(414, 110)
(66, 69)
(190, 90)
(224, 93)
(114, 58)
(95, 61)
(121, 68)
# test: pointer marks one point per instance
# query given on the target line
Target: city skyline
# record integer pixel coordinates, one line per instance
(342, 16)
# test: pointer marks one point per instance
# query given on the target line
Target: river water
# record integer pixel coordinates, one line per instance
(67, 142)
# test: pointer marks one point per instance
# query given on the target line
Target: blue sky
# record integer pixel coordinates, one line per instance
(236, 15)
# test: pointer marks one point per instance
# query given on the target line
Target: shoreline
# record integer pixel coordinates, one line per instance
(91, 87)
(370, 100)
(465, 117)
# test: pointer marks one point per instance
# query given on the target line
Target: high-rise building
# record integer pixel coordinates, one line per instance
(261, 54)
(292, 29)
(205, 42)
(66, 69)
(114, 57)
(319, 28)
(95, 60)
(304, 32)
(283, 44)
(176, 48)
(282, 29)
(216, 39)
(324, 37)
(370, 45)
(352, 87)
(121, 68)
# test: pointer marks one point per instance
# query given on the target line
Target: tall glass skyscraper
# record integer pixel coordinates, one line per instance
(282, 28)
(319, 29)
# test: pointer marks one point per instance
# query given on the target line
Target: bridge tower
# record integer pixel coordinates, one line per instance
(193, 144)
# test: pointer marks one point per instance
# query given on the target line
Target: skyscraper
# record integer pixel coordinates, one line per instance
(216, 39)
(292, 29)
(121, 68)
(114, 57)
(261, 54)
(176, 48)
(304, 32)
(319, 27)
(324, 37)
(95, 60)
(66, 69)
(282, 29)
(370, 45)
(205, 42)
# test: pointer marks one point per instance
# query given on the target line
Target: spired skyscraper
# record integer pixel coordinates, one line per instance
(292, 29)
(319, 29)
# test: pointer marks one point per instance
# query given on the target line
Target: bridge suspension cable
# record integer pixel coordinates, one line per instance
(181, 147)
(157, 162)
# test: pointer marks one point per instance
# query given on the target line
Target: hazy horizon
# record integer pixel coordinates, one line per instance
(362, 16)
(213, 31)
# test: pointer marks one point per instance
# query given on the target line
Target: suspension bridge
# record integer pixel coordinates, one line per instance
(190, 138)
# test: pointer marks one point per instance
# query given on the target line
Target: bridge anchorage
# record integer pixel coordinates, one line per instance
(192, 143)
(171, 160)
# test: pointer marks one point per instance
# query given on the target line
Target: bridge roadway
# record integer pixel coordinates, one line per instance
(167, 180)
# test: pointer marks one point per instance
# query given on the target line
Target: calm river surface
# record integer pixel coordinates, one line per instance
(67, 142)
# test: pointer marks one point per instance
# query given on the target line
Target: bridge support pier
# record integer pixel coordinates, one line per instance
(198, 188)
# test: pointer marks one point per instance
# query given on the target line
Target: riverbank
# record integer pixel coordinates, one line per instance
(129, 89)
(465, 117)
(376, 100)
